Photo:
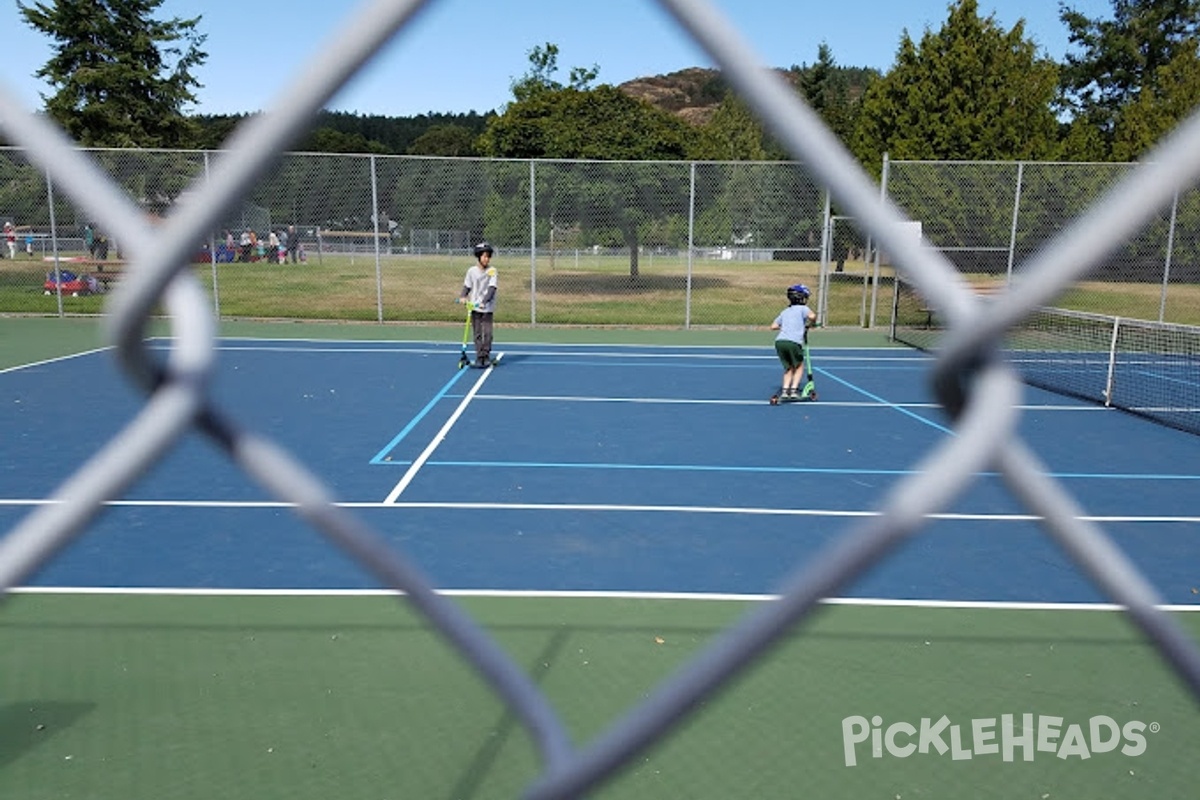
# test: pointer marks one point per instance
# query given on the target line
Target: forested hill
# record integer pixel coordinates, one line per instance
(345, 132)
(695, 93)
(692, 94)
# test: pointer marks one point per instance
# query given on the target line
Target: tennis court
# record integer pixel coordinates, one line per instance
(604, 509)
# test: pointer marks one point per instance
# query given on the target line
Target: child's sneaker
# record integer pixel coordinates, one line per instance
(790, 396)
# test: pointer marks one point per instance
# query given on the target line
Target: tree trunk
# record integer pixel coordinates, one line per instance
(631, 241)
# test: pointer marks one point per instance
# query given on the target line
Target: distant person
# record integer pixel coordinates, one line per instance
(101, 248)
(89, 239)
(245, 245)
(793, 324)
(293, 243)
(10, 238)
(479, 290)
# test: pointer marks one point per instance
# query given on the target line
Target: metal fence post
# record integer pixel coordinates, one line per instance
(54, 239)
(687, 305)
(216, 292)
(1162, 301)
(883, 193)
(823, 272)
(532, 243)
(1012, 235)
(375, 239)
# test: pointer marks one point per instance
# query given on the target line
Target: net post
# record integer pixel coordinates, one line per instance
(1112, 363)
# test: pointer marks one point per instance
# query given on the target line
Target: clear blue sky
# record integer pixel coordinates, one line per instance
(462, 55)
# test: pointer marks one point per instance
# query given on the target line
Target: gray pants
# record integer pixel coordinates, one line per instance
(481, 326)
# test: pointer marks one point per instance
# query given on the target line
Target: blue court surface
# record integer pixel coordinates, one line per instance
(588, 468)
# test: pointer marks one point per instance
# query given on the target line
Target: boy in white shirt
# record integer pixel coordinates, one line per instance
(793, 324)
(479, 290)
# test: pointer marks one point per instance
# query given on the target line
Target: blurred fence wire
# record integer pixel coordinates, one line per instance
(978, 388)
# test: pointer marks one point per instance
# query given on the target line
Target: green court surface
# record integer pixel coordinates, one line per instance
(235, 697)
(24, 339)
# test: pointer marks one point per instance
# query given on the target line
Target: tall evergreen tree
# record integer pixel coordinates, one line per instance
(968, 91)
(1121, 56)
(833, 92)
(1118, 60)
(734, 134)
(1157, 111)
(121, 77)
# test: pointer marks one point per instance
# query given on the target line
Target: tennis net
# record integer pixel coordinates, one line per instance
(1148, 368)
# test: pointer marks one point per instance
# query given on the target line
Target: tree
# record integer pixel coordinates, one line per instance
(834, 92)
(543, 63)
(214, 129)
(969, 91)
(328, 140)
(1122, 57)
(553, 121)
(735, 134)
(122, 78)
(444, 140)
(1157, 110)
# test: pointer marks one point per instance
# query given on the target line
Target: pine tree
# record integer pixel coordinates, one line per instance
(968, 91)
(121, 77)
(1122, 58)
(833, 92)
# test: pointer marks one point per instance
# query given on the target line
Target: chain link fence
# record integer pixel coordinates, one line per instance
(583, 242)
(989, 219)
(977, 386)
(387, 238)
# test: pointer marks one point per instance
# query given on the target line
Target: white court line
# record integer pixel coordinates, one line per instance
(54, 360)
(1090, 407)
(868, 602)
(428, 451)
(608, 508)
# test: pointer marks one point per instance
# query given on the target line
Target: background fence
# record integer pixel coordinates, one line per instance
(989, 219)
(618, 243)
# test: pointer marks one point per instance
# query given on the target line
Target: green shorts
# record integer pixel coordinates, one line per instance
(791, 354)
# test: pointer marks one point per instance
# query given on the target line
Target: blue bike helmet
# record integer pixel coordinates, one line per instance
(798, 295)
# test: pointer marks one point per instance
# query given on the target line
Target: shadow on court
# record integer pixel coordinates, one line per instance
(27, 724)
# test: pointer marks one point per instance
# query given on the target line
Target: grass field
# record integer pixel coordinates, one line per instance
(560, 290)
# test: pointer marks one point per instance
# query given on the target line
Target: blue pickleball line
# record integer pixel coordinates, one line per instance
(666, 467)
(825, 374)
(379, 457)
(1121, 476)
